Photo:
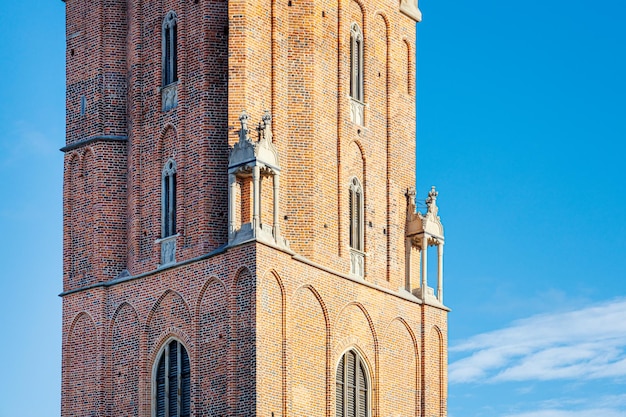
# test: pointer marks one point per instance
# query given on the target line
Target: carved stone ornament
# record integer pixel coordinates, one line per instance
(356, 112)
(429, 224)
(410, 9)
(168, 250)
(247, 153)
(169, 96)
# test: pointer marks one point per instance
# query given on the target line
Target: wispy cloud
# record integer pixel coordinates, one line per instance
(604, 406)
(593, 412)
(588, 343)
(23, 140)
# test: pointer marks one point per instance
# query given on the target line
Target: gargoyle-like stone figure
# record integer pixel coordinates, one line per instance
(431, 201)
(265, 127)
(243, 133)
(411, 208)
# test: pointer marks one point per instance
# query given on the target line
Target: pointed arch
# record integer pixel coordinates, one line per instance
(71, 217)
(309, 347)
(213, 331)
(272, 342)
(166, 145)
(212, 281)
(438, 363)
(244, 338)
(400, 369)
(368, 318)
(82, 356)
(124, 333)
(350, 331)
(169, 314)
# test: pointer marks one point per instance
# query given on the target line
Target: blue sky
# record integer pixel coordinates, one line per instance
(521, 110)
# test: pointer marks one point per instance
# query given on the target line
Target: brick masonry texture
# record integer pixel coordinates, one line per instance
(264, 327)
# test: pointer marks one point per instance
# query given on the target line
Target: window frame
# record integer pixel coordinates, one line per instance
(357, 218)
(359, 365)
(168, 199)
(164, 354)
(169, 53)
(356, 63)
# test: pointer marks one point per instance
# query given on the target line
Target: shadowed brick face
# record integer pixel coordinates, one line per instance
(264, 325)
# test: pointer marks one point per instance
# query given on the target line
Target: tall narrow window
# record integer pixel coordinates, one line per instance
(352, 387)
(356, 215)
(168, 199)
(170, 58)
(171, 384)
(356, 62)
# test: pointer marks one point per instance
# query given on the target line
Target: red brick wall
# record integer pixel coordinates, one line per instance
(264, 329)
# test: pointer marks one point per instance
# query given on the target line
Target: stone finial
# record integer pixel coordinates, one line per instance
(431, 201)
(243, 133)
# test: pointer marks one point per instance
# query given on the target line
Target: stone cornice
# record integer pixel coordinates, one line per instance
(92, 139)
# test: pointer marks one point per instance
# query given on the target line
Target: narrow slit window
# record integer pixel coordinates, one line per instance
(356, 63)
(168, 203)
(356, 215)
(170, 55)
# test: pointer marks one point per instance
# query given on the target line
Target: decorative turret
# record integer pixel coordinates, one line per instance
(251, 163)
(422, 231)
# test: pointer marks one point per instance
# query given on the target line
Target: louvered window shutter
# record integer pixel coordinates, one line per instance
(362, 391)
(185, 376)
(359, 221)
(160, 388)
(173, 207)
(351, 384)
(351, 389)
(340, 388)
(173, 380)
(352, 213)
(168, 57)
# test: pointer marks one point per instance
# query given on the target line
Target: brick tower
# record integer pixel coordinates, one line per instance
(240, 230)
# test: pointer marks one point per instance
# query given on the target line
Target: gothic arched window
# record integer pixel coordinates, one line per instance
(168, 199)
(356, 215)
(352, 386)
(171, 383)
(170, 58)
(356, 62)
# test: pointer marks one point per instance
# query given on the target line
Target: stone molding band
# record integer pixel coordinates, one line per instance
(91, 139)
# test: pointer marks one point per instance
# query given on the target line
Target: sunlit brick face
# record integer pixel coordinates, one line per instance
(162, 315)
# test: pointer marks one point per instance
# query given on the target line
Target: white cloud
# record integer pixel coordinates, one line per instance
(594, 412)
(589, 343)
(604, 406)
